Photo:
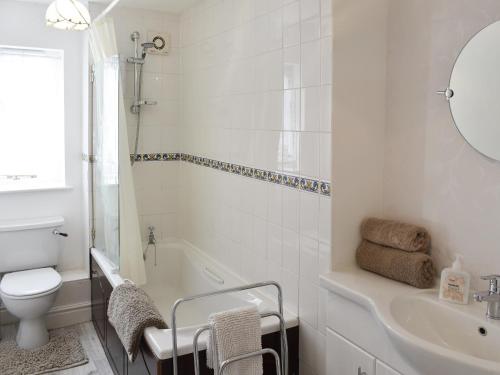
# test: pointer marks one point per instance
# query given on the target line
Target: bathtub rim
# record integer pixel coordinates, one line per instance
(160, 340)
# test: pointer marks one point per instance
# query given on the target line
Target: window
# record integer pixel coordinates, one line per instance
(32, 152)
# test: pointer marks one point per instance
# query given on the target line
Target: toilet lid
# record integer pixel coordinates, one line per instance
(31, 282)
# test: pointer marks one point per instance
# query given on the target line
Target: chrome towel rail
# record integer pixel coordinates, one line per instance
(284, 343)
(284, 351)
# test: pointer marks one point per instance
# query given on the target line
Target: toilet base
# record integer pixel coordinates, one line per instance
(32, 333)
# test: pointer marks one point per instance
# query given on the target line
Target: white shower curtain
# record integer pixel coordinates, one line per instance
(103, 46)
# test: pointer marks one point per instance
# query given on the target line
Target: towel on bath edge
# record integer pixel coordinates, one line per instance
(395, 234)
(131, 311)
(413, 268)
(236, 332)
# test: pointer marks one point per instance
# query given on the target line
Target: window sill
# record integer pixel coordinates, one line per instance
(36, 190)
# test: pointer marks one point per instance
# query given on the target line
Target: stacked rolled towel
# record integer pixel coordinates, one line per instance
(131, 311)
(396, 250)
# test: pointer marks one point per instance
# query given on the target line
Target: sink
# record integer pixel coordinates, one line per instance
(449, 334)
(430, 336)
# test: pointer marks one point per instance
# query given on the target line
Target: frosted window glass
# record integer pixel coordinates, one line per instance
(32, 154)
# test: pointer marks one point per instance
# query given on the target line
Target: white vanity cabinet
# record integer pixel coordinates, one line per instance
(345, 358)
(382, 369)
(357, 344)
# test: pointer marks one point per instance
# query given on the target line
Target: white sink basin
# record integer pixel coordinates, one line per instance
(453, 333)
(432, 336)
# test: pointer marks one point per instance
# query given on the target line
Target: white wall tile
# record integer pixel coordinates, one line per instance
(269, 71)
(311, 63)
(309, 9)
(269, 110)
(326, 109)
(326, 60)
(291, 209)
(291, 251)
(291, 152)
(291, 67)
(310, 29)
(310, 109)
(309, 218)
(309, 259)
(291, 24)
(309, 154)
(325, 156)
(274, 244)
(308, 303)
(325, 220)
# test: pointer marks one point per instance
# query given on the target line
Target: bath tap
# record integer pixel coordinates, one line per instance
(151, 237)
(491, 296)
(151, 242)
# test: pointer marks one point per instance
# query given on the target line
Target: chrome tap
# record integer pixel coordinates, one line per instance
(491, 296)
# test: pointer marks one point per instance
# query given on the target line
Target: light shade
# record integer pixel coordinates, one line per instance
(67, 15)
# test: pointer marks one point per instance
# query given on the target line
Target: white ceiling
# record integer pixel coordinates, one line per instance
(174, 6)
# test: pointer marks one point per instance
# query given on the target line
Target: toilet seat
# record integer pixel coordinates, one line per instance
(30, 283)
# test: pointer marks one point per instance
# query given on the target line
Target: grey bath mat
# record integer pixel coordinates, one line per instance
(63, 351)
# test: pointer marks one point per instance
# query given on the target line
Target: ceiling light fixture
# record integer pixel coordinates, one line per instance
(67, 15)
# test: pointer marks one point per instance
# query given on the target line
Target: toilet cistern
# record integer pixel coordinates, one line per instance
(491, 296)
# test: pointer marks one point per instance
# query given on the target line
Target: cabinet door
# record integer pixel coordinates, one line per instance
(345, 358)
(98, 300)
(383, 369)
(115, 349)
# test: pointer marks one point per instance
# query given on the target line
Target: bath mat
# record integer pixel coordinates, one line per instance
(63, 351)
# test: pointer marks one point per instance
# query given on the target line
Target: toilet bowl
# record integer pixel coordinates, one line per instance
(29, 295)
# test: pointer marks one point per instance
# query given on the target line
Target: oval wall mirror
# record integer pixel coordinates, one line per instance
(474, 91)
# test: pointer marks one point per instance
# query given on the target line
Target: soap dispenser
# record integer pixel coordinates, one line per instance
(455, 283)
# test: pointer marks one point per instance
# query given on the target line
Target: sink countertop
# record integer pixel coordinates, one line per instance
(377, 294)
(371, 290)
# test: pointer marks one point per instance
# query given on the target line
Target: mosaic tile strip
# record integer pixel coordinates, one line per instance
(170, 156)
(313, 186)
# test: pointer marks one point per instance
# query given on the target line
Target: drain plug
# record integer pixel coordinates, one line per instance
(482, 331)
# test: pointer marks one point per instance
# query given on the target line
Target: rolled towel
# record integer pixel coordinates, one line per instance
(395, 234)
(236, 332)
(413, 268)
(131, 311)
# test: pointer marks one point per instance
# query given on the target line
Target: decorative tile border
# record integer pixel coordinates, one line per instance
(313, 186)
(156, 157)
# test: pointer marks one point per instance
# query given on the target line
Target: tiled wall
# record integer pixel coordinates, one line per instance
(157, 183)
(256, 90)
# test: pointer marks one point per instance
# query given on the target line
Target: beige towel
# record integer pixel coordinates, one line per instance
(396, 235)
(131, 311)
(236, 332)
(413, 268)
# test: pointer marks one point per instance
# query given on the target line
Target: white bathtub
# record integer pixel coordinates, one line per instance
(181, 271)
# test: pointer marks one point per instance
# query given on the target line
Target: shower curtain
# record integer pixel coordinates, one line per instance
(103, 46)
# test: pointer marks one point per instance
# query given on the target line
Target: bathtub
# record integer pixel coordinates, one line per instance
(182, 270)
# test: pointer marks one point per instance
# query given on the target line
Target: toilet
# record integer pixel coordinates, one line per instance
(29, 250)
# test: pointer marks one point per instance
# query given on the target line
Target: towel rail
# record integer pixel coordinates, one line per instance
(199, 331)
(284, 344)
(254, 354)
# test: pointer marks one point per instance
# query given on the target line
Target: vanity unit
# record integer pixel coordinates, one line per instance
(377, 326)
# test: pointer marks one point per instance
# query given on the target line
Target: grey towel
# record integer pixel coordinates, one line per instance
(413, 268)
(395, 234)
(236, 332)
(131, 311)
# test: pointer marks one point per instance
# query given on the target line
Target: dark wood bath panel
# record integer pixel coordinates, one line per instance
(147, 363)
